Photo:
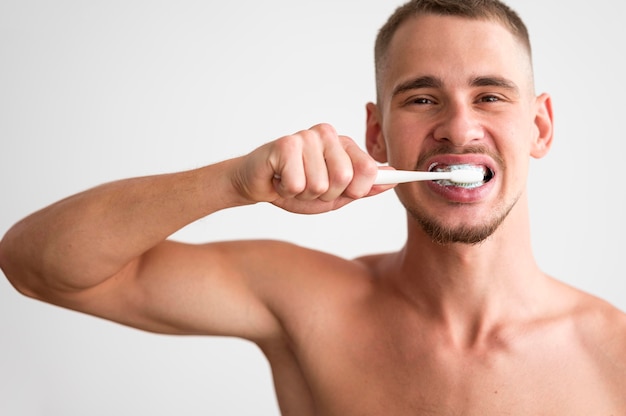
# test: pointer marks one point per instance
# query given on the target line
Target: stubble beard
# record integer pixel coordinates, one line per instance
(443, 234)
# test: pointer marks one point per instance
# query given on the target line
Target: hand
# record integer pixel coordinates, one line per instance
(312, 171)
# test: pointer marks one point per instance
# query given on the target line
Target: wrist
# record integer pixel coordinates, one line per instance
(223, 185)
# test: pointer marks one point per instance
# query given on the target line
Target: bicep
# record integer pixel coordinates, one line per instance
(176, 288)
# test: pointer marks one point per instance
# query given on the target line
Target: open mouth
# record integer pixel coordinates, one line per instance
(486, 172)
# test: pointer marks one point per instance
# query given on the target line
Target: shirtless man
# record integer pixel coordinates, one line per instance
(459, 321)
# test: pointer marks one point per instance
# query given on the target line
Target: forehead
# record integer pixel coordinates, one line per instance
(454, 49)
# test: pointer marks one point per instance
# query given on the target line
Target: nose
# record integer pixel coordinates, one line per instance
(458, 125)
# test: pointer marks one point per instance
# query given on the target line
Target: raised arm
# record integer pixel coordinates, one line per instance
(104, 251)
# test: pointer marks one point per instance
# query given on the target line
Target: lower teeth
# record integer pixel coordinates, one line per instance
(460, 185)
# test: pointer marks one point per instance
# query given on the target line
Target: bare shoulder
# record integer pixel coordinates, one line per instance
(602, 328)
(603, 320)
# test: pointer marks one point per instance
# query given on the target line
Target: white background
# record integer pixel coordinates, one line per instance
(92, 91)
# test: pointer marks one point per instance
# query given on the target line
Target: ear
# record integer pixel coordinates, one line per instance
(544, 124)
(374, 139)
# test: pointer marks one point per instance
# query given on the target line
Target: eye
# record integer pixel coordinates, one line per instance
(419, 101)
(490, 98)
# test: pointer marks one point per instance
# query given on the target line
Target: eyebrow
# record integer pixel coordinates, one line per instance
(434, 82)
(495, 81)
(418, 83)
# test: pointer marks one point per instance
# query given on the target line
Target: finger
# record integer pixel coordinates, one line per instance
(300, 168)
(314, 163)
(365, 169)
(339, 168)
(286, 161)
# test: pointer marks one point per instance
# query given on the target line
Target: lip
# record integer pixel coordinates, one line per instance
(460, 194)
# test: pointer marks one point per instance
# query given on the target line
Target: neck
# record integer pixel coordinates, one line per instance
(471, 288)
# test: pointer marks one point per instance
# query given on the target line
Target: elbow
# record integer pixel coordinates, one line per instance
(5, 264)
(36, 268)
(25, 267)
(19, 276)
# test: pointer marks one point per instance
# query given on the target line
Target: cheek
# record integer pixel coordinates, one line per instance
(516, 138)
(517, 161)
(403, 154)
(405, 141)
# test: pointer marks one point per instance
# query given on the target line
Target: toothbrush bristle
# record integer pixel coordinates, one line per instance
(467, 176)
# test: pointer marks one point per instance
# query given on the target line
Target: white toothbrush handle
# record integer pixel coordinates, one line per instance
(389, 176)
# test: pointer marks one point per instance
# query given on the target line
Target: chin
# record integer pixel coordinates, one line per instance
(465, 233)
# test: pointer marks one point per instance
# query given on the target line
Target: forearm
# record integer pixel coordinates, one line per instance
(83, 240)
(86, 239)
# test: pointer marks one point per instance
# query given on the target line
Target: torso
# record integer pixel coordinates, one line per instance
(362, 349)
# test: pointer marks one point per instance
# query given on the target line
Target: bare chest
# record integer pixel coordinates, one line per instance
(377, 370)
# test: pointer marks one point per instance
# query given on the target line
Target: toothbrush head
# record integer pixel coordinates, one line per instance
(467, 175)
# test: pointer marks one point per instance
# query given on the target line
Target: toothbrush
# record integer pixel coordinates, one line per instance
(461, 176)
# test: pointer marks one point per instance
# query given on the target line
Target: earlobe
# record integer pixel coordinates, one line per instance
(544, 124)
(374, 139)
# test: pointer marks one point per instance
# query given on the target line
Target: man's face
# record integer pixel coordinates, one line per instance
(458, 91)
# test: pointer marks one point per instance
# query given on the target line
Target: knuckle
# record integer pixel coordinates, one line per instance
(342, 177)
(317, 187)
(288, 144)
(346, 141)
(355, 192)
(291, 188)
(365, 167)
(325, 130)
